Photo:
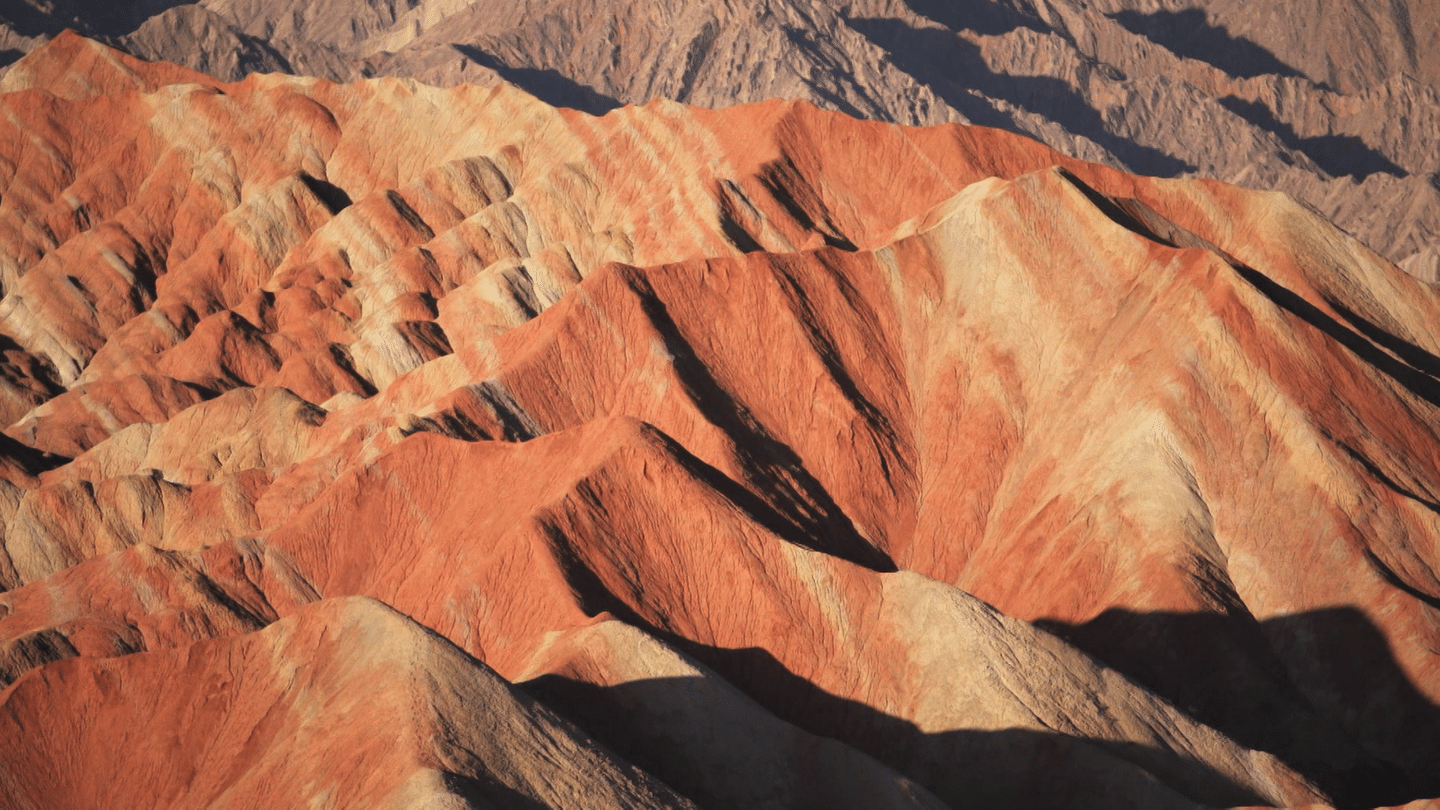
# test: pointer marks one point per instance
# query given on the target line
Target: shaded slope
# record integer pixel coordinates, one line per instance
(618, 542)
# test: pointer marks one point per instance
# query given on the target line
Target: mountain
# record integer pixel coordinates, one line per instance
(759, 456)
(241, 707)
(1332, 101)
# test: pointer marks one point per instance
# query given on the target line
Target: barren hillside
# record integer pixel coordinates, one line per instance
(1332, 101)
(739, 458)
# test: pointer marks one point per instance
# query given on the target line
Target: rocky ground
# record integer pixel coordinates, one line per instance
(1332, 101)
(382, 444)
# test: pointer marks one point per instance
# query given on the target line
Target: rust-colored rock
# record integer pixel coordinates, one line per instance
(1332, 101)
(801, 460)
(387, 714)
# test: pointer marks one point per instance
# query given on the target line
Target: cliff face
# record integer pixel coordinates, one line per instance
(779, 458)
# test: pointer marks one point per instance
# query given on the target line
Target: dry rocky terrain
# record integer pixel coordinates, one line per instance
(386, 444)
(1332, 101)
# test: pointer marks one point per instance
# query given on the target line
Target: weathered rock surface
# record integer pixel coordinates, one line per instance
(388, 715)
(1336, 102)
(800, 460)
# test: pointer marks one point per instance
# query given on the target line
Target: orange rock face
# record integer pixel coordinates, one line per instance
(758, 457)
(387, 715)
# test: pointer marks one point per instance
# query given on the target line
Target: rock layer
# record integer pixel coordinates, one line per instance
(1332, 101)
(799, 459)
(387, 714)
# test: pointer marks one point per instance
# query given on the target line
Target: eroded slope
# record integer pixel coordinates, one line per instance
(751, 406)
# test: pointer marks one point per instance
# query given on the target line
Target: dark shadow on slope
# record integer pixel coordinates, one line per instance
(334, 197)
(965, 768)
(1113, 210)
(28, 460)
(848, 546)
(734, 229)
(89, 17)
(1388, 574)
(696, 55)
(1190, 34)
(816, 44)
(781, 496)
(252, 55)
(1336, 155)
(1417, 382)
(1389, 483)
(795, 193)
(1321, 690)
(10, 56)
(772, 468)
(1418, 358)
(950, 65)
(1409, 372)
(982, 17)
(835, 101)
(489, 792)
(228, 53)
(934, 68)
(340, 353)
(595, 598)
(550, 86)
(1381, 567)
(22, 370)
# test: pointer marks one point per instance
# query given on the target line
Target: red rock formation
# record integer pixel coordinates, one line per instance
(1336, 102)
(935, 465)
(347, 702)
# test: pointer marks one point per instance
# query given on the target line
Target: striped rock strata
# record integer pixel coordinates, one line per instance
(796, 460)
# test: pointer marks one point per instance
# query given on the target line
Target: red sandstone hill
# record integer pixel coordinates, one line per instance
(378, 444)
(1335, 102)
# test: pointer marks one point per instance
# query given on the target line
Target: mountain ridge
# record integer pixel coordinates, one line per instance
(1333, 103)
(929, 443)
